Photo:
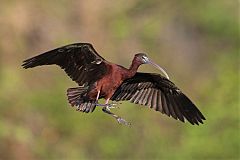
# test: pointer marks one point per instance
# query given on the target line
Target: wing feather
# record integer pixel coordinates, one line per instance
(159, 102)
(157, 92)
(154, 99)
(138, 96)
(177, 109)
(146, 96)
(171, 107)
(80, 61)
(164, 104)
(150, 97)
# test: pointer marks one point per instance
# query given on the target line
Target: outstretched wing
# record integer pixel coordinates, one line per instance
(79, 60)
(159, 93)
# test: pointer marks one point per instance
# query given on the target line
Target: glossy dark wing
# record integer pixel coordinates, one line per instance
(159, 93)
(80, 61)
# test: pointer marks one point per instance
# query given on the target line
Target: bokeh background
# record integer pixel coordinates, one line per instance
(197, 42)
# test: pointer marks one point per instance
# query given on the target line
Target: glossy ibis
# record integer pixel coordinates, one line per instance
(98, 78)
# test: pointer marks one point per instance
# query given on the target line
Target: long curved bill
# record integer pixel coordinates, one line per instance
(158, 67)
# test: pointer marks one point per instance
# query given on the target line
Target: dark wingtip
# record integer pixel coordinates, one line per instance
(28, 63)
(25, 65)
(190, 112)
(194, 120)
(201, 115)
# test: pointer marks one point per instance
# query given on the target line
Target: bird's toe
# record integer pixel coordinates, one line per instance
(123, 121)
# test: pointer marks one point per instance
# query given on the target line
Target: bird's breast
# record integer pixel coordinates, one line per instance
(109, 83)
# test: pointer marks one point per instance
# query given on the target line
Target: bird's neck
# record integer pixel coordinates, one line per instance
(133, 68)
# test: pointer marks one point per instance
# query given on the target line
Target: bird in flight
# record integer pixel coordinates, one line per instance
(97, 78)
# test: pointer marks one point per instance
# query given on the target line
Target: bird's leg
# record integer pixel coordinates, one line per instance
(98, 104)
(112, 105)
(98, 93)
(120, 120)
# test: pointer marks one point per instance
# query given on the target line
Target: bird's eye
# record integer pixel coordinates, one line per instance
(145, 59)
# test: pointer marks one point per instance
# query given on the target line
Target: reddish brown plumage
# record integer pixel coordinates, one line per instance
(113, 78)
(98, 77)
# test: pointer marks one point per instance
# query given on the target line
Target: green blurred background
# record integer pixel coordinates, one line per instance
(197, 42)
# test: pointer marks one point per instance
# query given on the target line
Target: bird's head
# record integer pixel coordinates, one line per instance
(142, 58)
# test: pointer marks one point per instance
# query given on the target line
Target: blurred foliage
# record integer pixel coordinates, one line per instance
(197, 41)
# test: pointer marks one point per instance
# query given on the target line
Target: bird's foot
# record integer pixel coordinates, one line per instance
(119, 119)
(123, 121)
(113, 105)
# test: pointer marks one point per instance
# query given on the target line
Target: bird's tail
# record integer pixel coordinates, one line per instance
(78, 97)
